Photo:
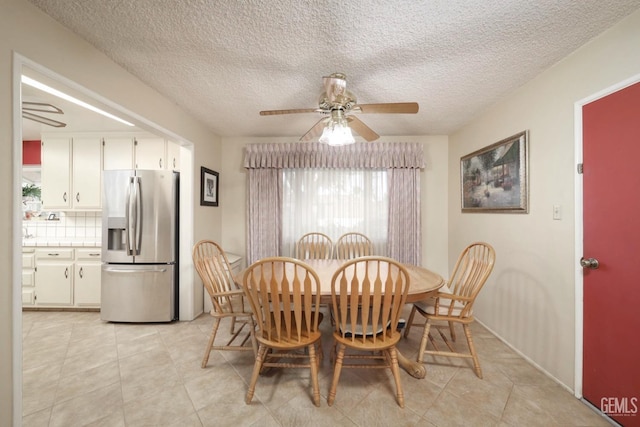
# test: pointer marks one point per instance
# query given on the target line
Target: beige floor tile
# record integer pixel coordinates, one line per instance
(219, 384)
(79, 370)
(163, 406)
(72, 386)
(450, 410)
(88, 408)
(490, 393)
(37, 419)
(380, 408)
(138, 344)
(234, 413)
(143, 374)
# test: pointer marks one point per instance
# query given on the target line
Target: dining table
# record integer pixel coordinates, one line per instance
(422, 283)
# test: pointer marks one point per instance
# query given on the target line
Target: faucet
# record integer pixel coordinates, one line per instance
(26, 234)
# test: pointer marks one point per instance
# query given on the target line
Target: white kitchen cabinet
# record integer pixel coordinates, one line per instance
(86, 179)
(173, 156)
(54, 277)
(56, 173)
(150, 153)
(86, 283)
(28, 276)
(140, 152)
(71, 177)
(117, 153)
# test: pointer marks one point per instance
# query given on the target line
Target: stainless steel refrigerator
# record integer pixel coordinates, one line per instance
(139, 246)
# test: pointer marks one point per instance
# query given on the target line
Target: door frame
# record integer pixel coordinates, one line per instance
(187, 212)
(579, 225)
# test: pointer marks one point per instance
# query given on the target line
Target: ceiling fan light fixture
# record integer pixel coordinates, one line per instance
(337, 131)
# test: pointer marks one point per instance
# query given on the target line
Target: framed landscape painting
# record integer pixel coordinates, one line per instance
(496, 178)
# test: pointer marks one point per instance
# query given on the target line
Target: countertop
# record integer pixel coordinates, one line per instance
(54, 241)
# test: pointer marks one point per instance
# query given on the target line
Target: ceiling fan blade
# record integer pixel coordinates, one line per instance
(314, 133)
(361, 129)
(397, 107)
(44, 120)
(40, 106)
(293, 111)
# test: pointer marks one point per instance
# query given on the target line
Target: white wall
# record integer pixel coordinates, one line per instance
(529, 299)
(433, 185)
(26, 31)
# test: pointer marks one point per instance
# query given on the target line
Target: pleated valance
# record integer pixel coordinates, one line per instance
(364, 155)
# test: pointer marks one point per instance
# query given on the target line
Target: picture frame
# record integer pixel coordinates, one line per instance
(209, 186)
(496, 178)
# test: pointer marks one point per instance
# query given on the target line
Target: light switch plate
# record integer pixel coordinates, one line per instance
(557, 212)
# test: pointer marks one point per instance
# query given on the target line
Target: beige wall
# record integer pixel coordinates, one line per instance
(530, 298)
(433, 186)
(28, 32)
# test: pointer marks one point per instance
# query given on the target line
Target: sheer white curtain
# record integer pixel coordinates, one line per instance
(334, 202)
(268, 215)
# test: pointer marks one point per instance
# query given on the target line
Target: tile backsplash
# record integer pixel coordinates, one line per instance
(76, 225)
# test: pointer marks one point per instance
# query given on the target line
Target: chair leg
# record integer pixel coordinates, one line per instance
(319, 352)
(233, 325)
(410, 321)
(252, 332)
(395, 370)
(424, 340)
(313, 362)
(452, 331)
(472, 349)
(214, 331)
(336, 374)
(262, 351)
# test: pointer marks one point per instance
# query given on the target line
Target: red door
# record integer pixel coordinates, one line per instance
(611, 158)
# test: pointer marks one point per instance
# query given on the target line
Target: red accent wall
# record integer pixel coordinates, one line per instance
(31, 152)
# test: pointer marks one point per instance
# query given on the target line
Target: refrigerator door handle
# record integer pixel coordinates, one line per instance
(129, 271)
(138, 215)
(130, 212)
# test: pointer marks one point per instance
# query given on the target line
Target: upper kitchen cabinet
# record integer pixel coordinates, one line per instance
(150, 153)
(117, 153)
(71, 177)
(173, 156)
(140, 152)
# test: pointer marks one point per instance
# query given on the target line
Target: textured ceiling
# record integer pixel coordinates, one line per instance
(224, 61)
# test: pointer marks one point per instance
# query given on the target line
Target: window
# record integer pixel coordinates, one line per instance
(334, 202)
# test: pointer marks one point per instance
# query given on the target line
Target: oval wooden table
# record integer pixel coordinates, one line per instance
(423, 282)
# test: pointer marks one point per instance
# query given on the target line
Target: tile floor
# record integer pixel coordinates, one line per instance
(79, 370)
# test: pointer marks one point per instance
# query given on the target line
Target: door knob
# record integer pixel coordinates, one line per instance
(591, 263)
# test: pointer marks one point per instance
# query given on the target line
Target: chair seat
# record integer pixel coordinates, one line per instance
(429, 306)
(368, 343)
(358, 329)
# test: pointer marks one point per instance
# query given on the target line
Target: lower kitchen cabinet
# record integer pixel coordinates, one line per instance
(54, 277)
(86, 284)
(28, 276)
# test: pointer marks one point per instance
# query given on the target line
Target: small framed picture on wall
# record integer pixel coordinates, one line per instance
(209, 184)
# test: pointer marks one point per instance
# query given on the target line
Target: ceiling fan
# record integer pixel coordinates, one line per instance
(337, 105)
